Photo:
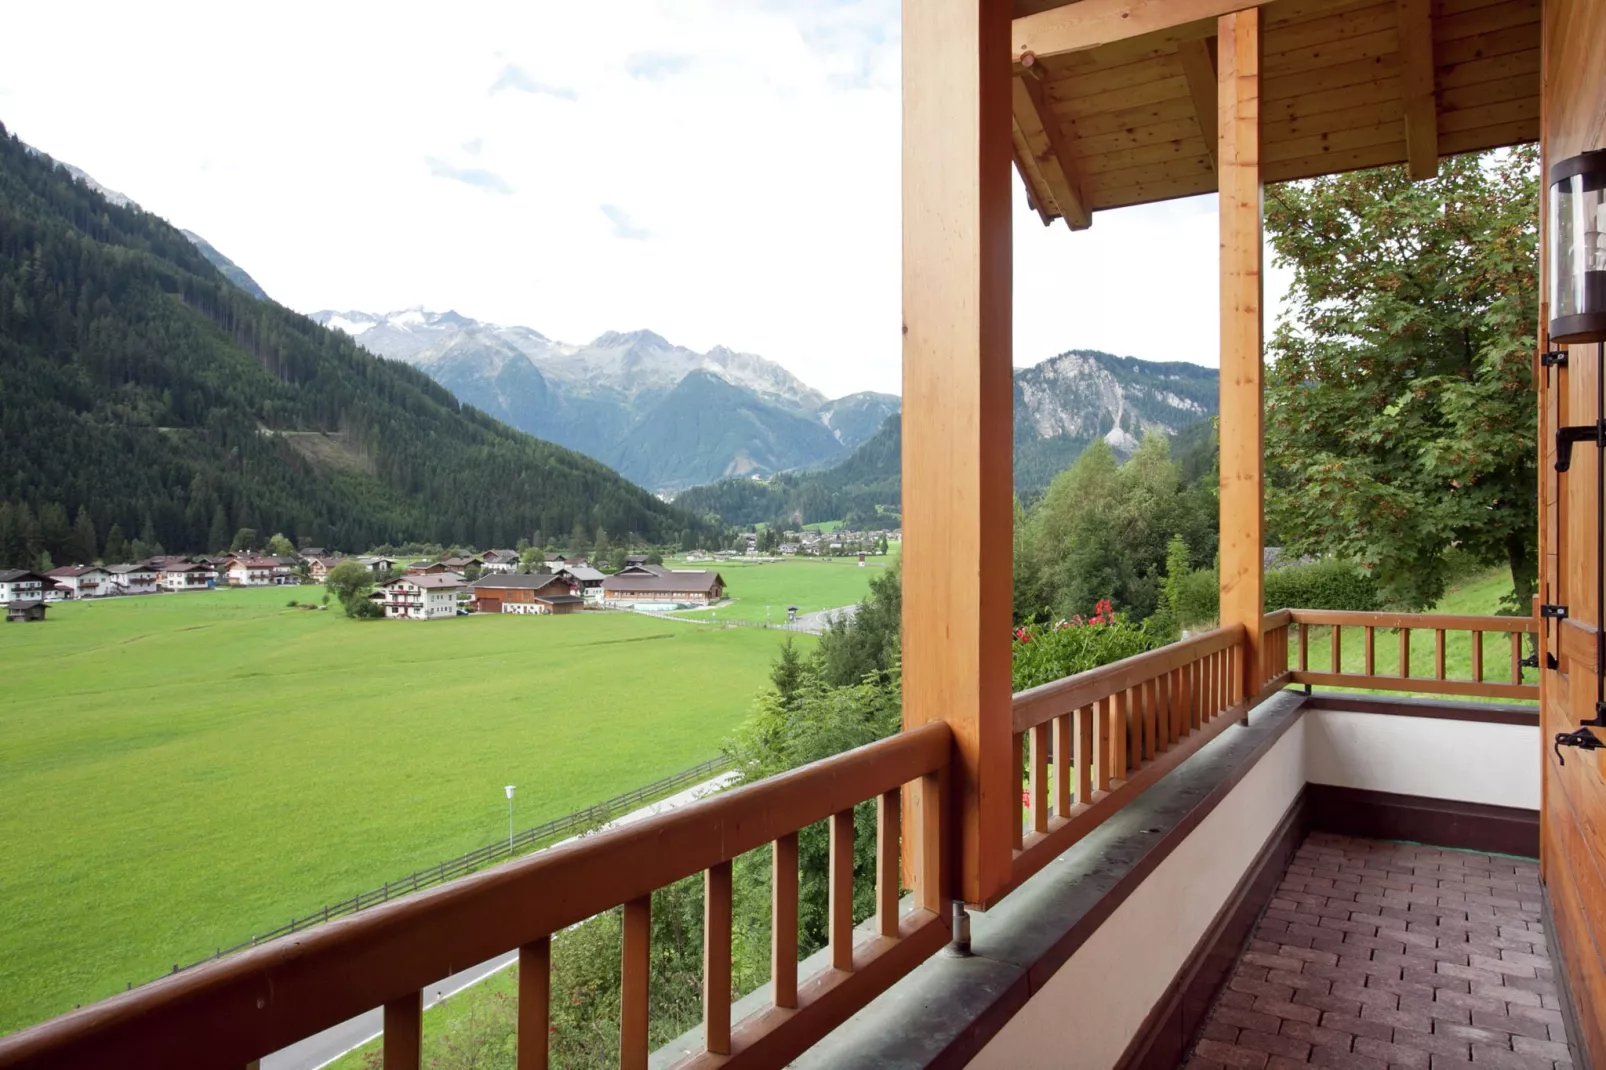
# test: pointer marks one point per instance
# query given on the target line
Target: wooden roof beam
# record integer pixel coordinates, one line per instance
(1199, 67)
(1086, 24)
(1041, 127)
(1416, 87)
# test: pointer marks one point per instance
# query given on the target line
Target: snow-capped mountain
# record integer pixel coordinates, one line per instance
(664, 415)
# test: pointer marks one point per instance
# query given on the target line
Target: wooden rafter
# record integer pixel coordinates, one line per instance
(1416, 87)
(1199, 67)
(1049, 147)
(1087, 24)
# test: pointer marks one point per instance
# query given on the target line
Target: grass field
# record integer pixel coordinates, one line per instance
(179, 772)
(810, 583)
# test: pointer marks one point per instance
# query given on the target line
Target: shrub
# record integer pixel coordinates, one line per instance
(1048, 652)
(292, 603)
(1329, 584)
(1198, 597)
(363, 609)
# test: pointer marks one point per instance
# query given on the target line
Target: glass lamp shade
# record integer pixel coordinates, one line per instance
(1577, 242)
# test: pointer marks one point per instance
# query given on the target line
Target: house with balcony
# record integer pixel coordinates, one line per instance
(180, 575)
(420, 597)
(503, 561)
(252, 571)
(22, 585)
(82, 581)
(1235, 850)
(139, 578)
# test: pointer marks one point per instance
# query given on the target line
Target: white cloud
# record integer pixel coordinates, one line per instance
(722, 172)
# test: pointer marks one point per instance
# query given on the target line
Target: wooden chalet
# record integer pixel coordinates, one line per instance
(1438, 866)
(25, 609)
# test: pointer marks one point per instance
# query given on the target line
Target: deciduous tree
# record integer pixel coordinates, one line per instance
(1400, 413)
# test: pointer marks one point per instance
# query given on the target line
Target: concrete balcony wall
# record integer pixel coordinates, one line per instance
(1090, 1009)
(1467, 761)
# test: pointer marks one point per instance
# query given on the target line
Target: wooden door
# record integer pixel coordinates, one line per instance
(1573, 820)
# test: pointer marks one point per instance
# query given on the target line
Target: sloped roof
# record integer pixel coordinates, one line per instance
(674, 582)
(510, 580)
(442, 580)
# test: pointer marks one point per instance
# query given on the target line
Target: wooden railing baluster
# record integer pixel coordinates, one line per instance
(930, 876)
(403, 1044)
(1103, 715)
(1304, 648)
(1516, 657)
(535, 1003)
(889, 822)
(1064, 757)
(1477, 656)
(1438, 653)
(717, 958)
(636, 966)
(839, 897)
(1120, 736)
(1084, 753)
(1018, 764)
(1039, 777)
(1336, 647)
(1405, 653)
(783, 920)
(1371, 651)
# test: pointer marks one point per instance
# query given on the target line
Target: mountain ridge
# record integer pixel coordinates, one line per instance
(176, 404)
(604, 397)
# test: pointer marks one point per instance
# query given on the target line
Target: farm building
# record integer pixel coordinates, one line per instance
(539, 593)
(415, 597)
(25, 609)
(632, 585)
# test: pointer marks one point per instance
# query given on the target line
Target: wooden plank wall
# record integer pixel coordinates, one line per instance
(1573, 812)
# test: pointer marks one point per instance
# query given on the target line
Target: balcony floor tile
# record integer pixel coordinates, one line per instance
(1460, 994)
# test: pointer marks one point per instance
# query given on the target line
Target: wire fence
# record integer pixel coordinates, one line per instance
(531, 838)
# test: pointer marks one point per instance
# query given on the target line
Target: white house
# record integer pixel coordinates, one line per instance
(421, 597)
(583, 580)
(251, 571)
(186, 576)
(502, 561)
(20, 585)
(82, 581)
(134, 579)
(377, 564)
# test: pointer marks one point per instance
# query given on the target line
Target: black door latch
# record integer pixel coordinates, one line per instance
(1566, 436)
(1583, 739)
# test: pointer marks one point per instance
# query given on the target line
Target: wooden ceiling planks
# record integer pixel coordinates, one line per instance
(1333, 96)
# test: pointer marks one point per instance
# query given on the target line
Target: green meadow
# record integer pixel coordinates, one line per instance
(762, 590)
(180, 772)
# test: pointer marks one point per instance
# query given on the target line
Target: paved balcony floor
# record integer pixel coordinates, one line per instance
(1375, 955)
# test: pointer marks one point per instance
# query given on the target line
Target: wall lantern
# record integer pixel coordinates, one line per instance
(1578, 249)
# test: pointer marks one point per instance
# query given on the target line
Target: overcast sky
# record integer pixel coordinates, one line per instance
(722, 173)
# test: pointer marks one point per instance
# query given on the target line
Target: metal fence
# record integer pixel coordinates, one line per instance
(531, 838)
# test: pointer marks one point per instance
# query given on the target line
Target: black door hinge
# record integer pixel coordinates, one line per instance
(1583, 739)
(1556, 358)
(1531, 661)
(1550, 611)
(1566, 436)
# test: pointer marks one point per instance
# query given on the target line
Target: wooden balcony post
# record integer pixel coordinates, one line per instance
(1242, 500)
(957, 393)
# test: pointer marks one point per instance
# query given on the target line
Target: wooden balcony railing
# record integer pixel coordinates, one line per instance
(235, 1011)
(1342, 626)
(1089, 743)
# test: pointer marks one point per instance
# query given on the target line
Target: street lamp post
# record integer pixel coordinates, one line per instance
(510, 819)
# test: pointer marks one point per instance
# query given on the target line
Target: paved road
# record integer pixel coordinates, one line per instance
(324, 1048)
(816, 622)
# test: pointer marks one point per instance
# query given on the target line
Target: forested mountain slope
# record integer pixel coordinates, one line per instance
(139, 384)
